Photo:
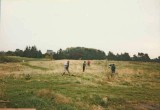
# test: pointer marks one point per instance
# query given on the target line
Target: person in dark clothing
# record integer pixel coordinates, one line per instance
(84, 65)
(113, 68)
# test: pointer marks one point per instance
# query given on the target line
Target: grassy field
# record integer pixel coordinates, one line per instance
(40, 84)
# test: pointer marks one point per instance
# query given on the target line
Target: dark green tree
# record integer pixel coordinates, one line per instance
(19, 52)
(125, 57)
(80, 53)
(32, 52)
(111, 56)
(135, 58)
(10, 53)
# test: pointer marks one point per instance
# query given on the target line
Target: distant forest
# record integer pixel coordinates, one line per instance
(79, 53)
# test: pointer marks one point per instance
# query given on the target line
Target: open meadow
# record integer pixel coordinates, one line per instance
(39, 84)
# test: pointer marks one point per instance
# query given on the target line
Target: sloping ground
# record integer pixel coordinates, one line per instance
(39, 84)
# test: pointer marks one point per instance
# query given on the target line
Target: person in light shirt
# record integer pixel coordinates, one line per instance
(66, 68)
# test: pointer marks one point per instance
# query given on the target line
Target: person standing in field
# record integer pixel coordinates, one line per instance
(66, 68)
(84, 65)
(113, 68)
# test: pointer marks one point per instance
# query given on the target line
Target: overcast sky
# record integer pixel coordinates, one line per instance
(110, 25)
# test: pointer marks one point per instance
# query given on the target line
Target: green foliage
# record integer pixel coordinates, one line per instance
(4, 59)
(143, 57)
(8, 59)
(19, 52)
(10, 53)
(126, 57)
(32, 52)
(80, 53)
(156, 59)
(111, 56)
(120, 57)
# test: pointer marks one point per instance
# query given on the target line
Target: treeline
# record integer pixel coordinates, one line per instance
(126, 57)
(30, 52)
(94, 54)
(80, 53)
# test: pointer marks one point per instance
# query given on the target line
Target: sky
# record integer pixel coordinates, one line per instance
(110, 25)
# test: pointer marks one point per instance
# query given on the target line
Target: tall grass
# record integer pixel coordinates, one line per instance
(135, 86)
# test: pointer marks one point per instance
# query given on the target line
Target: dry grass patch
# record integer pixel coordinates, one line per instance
(61, 99)
(10, 67)
(45, 93)
(96, 107)
(58, 98)
(126, 71)
(145, 105)
(80, 104)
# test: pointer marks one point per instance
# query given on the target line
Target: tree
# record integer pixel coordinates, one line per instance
(32, 52)
(2, 53)
(26, 52)
(39, 55)
(141, 57)
(10, 53)
(79, 53)
(135, 58)
(146, 57)
(19, 52)
(126, 57)
(60, 54)
(111, 56)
